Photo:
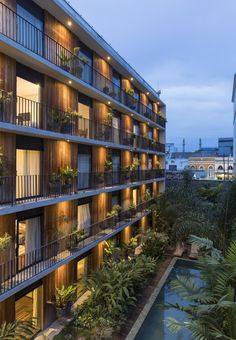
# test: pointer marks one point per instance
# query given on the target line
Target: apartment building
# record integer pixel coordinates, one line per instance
(80, 132)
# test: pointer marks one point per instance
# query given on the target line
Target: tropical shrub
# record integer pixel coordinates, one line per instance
(154, 244)
(211, 312)
(113, 290)
(17, 330)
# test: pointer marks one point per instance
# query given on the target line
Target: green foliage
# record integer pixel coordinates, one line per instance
(17, 330)
(65, 295)
(6, 97)
(155, 244)
(5, 242)
(210, 194)
(116, 209)
(211, 312)
(113, 290)
(108, 164)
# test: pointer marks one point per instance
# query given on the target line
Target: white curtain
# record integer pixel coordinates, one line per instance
(32, 239)
(28, 171)
(84, 217)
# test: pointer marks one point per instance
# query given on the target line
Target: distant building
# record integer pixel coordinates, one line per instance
(225, 146)
(234, 122)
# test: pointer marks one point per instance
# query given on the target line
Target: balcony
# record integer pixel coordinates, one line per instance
(33, 188)
(24, 33)
(27, 267)
(27, 113)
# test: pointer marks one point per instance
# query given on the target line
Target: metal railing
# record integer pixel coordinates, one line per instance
(32, 188)
(24, 112)
(27, 35)
(24, 267)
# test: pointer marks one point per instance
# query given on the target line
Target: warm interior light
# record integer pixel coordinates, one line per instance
(131, 78)
(108, 58)
(147, 93)
(109, 103)
(70, 82)
(69, 23)
(132, 114)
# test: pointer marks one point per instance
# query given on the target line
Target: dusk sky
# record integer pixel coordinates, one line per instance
(186, 48)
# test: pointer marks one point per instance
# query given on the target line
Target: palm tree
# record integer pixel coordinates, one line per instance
(211, 313)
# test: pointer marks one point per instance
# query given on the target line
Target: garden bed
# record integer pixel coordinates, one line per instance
(71, 332)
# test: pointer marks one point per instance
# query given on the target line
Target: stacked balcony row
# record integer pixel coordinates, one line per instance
(27, 113)
(75, 58)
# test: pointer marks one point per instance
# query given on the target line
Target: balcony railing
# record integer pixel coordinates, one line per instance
(24, 112)
(24, 267)
(33, 188)
(27, 35)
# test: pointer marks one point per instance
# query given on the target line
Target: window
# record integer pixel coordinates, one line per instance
(29, 29)
(116, 127)
(83, 216)
(84, 109)
(82, 272)
(84, 166)
(116, 84)
(149, 162)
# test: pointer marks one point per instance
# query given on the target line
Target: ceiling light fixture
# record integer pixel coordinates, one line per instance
(108, 58)
(70, 82)
(131, 78)
(69, 23)
(109, 103)
(147, 93)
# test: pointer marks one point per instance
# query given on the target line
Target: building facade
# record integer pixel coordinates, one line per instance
(80, 133)
(234, 122)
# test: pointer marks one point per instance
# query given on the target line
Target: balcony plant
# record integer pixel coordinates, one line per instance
(5, 242)
(64, 61)
(55, 183)
(132, 209)
(79, 234)
(106, 90)
(5, 98)
(157, 165)
(130, 100)
(64, 300)
(147, 196)
(68, 174)
(78, 62)
(108, 165)
(114, 213)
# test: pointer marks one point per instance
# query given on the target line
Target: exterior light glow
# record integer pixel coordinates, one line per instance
(108, 58)
(70, 82)
(109, 103)
(131, 78)
(67, 140)
(132, 114)
(69, 23)
(147, 93)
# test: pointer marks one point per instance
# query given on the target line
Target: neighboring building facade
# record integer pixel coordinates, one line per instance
(225, 146)
(68, 102)
(234, 123)
(220, 168)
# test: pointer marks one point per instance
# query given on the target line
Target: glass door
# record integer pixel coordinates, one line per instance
(84, 166)
(28, 103)
(31, 306)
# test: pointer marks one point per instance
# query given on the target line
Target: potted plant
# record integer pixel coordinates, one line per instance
(5, 97)
(147, 196)
(55, 183)
(157, 165)
(130, 100)
(67, 176)
(107, 125)
(114, 213)
(108, 171)
(106, 90)
(132, 209)
(55, 120)
(78, 66)
(64, 300)
(5, 242)
(68, 121)
(64, 61)
(79, 234)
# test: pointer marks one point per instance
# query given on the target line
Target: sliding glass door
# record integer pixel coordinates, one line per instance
(28, 242)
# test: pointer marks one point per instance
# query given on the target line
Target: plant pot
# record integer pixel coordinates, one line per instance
(67, 127)
(68, 308)
(61, 312)
(106, 90)
(66, 188)
(66, 68)
(55, 188)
